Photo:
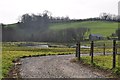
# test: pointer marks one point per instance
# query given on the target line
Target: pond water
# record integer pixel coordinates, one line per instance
(74, 46)
(85, 47)
(39, 46)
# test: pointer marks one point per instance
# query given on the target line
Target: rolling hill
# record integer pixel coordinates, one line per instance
(104, 28)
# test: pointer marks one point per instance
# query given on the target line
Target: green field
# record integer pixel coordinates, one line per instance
(104, 28)
(96, 27)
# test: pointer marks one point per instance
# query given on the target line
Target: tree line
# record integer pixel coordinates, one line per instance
(36, 28)
(69, 35)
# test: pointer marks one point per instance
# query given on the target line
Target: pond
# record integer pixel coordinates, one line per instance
(87, 47)
(74, 46)
(39, 46)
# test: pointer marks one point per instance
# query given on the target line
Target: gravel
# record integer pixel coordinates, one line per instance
(57, 66)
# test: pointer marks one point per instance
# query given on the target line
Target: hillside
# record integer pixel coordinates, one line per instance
(104, 28)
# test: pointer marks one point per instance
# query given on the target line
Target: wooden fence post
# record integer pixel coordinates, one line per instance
(118, 53)
(114, 53)
(116, 49)
(79, 51)
(104, 49)
(76, 55)
(92, 50)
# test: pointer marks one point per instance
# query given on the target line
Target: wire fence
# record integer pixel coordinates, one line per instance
(105, 54)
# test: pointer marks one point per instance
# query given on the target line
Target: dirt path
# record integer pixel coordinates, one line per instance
(58, 66)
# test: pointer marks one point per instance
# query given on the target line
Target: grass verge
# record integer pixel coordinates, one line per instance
(103, 62)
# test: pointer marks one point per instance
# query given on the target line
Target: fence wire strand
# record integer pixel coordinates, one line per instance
(103, 53)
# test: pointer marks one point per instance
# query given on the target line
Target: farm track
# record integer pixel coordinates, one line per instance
(57, 66)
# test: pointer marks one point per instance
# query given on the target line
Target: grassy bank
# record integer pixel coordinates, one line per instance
(103, 62)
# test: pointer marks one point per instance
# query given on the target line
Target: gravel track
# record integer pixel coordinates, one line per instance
(57, 66)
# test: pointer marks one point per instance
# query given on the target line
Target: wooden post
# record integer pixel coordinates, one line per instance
(116, 49)
(104, 49)
(76, 55)
(118, 53)
(114, 53)
(79, 51)
(92, 50)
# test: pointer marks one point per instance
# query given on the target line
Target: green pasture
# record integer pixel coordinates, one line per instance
(96, 27)
(104, 28)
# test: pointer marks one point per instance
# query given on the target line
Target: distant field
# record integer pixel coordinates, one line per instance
(97, 27)
(104, 28)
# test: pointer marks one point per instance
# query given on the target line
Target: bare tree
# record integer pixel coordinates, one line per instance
(76, 35)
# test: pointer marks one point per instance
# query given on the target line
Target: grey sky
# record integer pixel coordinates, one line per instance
(11, 10)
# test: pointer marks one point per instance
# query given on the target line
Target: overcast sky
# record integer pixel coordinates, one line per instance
(11, 10)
